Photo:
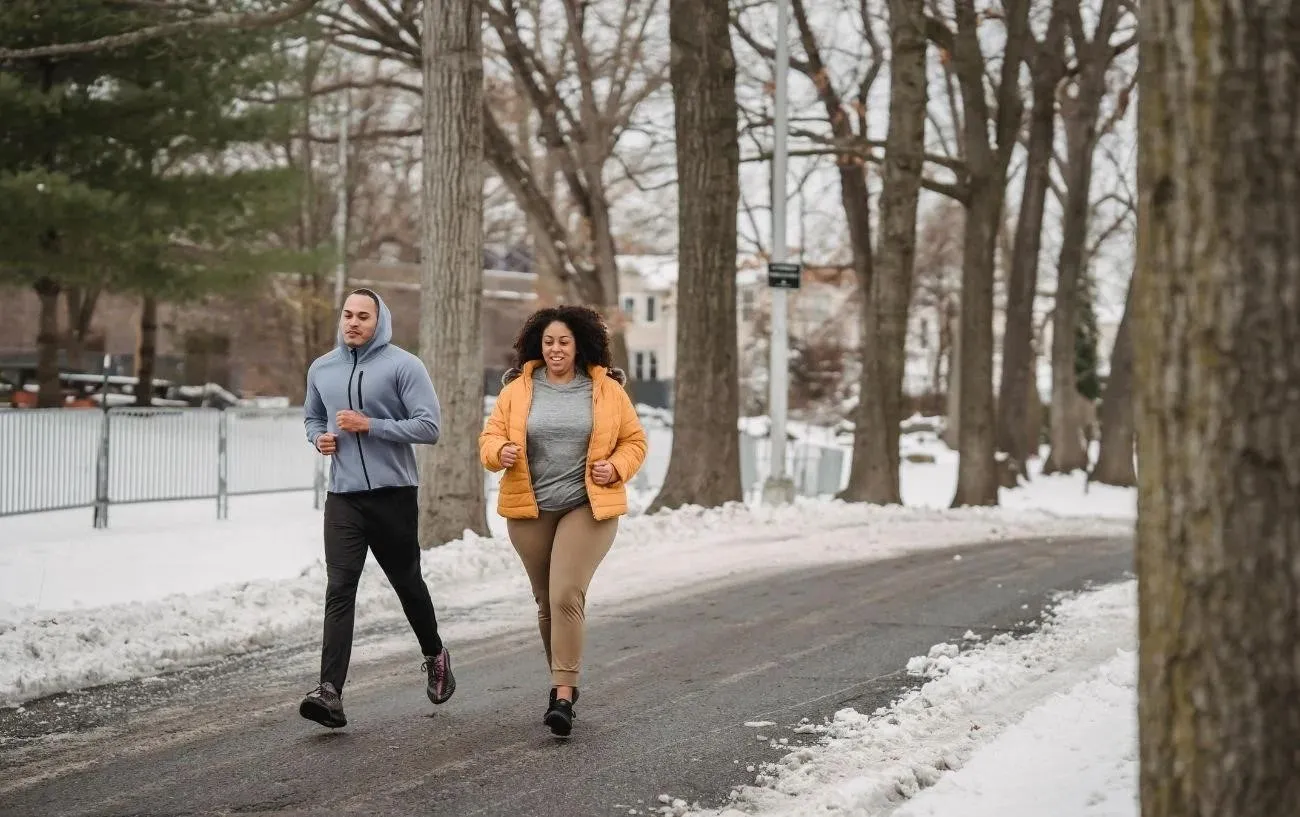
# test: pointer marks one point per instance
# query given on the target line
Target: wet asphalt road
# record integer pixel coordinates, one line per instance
(667, 690)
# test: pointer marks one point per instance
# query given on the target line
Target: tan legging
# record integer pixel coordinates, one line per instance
(560, 551)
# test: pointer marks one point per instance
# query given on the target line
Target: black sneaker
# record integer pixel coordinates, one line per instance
(550, 702)
(325, 706)
(560, 718)
(442, 683)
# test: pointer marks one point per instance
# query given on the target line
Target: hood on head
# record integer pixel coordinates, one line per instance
(383, 332)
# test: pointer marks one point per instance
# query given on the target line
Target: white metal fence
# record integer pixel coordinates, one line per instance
(60, 459)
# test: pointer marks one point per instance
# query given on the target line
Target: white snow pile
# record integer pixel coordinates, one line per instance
(477, 583)
(868, 764)
(1077, 750)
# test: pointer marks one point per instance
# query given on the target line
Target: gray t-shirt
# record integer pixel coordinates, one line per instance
(559, 433)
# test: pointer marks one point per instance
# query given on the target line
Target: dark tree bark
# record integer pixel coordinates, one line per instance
(47, 344)
(80, 303)
(1217, 332)
(1115, 460)
(451, 481)
(1017, 385)
(1080, 115)
(704, 468)
(146, 351)
(874, 476)
(977, 478)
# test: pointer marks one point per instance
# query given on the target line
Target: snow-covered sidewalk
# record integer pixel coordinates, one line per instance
(161, 592)
(996, 730)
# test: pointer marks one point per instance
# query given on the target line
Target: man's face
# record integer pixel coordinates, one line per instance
(358, 320)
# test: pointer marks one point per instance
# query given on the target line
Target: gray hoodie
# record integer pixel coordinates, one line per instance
(390, 386)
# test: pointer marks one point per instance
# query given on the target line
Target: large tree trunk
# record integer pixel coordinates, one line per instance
(875, 461)
(977, 479)
(146, 351)
(704, 468)
(1115, 460)
(1017, 385)
(1080, 113)
(1217, 332)
(1068, 453)
(451, 490)
(857, 211)
(47, 344)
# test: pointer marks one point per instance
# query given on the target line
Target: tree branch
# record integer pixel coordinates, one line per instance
(959, 190)
(939, 34)
(768, 52)
(222, 20)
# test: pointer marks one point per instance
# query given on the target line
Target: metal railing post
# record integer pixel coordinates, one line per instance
(318, 485)
(101, 471)
(223, 499)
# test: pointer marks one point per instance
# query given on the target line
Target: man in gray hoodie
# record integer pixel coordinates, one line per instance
(368, 402)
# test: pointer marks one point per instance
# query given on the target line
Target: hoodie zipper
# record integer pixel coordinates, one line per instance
(361, 406)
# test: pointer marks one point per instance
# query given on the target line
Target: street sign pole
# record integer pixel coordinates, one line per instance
(779, 489)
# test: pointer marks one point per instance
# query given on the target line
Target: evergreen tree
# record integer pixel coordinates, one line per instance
(122, 167)
(1086, 338)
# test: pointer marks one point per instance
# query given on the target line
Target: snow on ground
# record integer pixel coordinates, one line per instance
(997, 730)
(167, 585)
(1078, 750)
(933, 485)
(132, 622)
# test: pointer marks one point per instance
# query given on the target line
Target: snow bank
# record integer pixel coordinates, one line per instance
(867, 764)
(477, 583)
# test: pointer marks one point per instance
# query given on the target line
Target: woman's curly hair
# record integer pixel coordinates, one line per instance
(590, 335)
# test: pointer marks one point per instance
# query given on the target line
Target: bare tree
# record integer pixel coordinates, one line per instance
(1017, 385)
(584, 97)
(985, 190)
(844, 134)
(1080, 113)
(1216, 336)
(451, 483)
(1115, 461)
(705, 465)
(874, 476)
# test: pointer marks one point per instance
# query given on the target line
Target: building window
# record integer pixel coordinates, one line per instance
(638, 366)
(746, 304)
(629, 305)
(650, 304)
(654, 366)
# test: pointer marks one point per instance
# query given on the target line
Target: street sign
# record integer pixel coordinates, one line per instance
(783, 275)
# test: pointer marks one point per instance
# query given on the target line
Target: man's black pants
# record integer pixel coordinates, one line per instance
(384, 521)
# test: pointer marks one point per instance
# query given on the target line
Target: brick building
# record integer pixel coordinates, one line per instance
(259, 343)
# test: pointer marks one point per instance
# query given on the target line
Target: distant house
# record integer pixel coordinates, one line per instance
(648, 293)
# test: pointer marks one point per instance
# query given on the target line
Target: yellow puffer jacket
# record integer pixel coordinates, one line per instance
(616, 435)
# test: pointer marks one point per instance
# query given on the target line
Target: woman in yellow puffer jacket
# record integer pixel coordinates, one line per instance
(569, 439)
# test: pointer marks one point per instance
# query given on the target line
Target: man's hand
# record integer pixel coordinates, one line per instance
(353, 421)
(509, 455)
(603, 472)
(327, 444)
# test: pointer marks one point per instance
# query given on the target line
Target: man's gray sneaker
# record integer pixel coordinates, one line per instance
(441, 681)
(325, 706)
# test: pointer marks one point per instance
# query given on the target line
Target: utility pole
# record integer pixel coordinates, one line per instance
(341, 214)
(779, 489)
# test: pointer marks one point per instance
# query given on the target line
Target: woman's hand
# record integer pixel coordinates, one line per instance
(603, 472)
(509, 455)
